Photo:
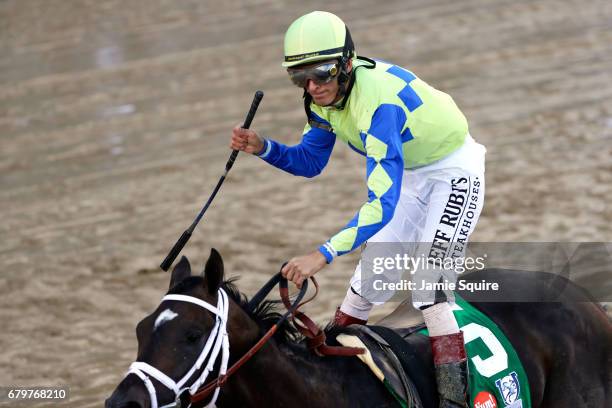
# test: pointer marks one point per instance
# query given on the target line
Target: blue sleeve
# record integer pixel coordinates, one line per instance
(385, 168)
(308, 158)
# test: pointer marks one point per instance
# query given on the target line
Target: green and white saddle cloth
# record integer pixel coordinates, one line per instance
(497, 378)
(496, 375)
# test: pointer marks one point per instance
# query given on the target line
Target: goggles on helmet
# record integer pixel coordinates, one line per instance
(320, 74)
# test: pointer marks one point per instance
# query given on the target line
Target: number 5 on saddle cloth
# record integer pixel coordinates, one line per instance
(496, 375)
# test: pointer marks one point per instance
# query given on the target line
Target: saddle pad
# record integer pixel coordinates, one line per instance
(497, 378)
(384, 360)
(496, 375)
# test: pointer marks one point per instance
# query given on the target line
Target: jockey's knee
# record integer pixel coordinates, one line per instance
(355, 305)
(439, 319)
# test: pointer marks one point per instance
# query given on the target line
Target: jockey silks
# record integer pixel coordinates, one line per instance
(394, 119)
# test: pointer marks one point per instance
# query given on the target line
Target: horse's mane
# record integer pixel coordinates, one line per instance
(264, 314)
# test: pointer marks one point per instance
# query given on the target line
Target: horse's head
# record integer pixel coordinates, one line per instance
(184, 341)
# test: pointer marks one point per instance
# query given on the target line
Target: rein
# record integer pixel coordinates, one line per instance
(315, 336)
(217, 383)
(316, 339)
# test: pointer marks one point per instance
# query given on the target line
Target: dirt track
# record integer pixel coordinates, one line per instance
(114, 120)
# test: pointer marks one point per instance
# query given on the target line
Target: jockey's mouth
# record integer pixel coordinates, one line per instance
(319, 95)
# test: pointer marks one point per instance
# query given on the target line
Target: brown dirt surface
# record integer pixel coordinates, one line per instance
(114, 127)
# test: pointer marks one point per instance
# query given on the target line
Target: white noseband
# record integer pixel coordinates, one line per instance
(218, 339)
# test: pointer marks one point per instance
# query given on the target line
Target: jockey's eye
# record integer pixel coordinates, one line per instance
(194, 335)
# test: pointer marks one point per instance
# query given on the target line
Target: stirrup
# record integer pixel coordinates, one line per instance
(451, 370)
(342, 319)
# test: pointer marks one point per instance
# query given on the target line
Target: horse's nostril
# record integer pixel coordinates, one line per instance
(130, 393)
(122, 404)
(132, 404)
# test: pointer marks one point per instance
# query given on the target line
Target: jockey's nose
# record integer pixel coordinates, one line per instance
(311, 85)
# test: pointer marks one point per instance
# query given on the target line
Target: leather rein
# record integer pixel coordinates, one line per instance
(315, 336)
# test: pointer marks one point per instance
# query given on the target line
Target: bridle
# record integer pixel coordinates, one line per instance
(219, 341)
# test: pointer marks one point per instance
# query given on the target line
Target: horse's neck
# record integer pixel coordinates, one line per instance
(283, 376)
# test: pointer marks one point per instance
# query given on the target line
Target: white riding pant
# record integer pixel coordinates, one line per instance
(437, 211)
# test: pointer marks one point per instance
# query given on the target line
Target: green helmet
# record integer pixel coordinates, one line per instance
(317, 36)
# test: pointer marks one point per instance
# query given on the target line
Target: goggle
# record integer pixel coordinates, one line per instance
(320, 74)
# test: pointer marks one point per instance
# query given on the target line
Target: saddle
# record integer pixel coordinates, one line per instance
(400, 367)
(399, 354)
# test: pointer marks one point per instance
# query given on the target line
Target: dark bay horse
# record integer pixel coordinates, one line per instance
(564, 342)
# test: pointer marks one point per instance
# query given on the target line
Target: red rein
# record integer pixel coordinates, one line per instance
(313, 333)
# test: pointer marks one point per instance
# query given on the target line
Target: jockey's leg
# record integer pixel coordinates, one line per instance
(405, 226)
(454, 208)
(449, 355)
(355, 309)
(446, 339)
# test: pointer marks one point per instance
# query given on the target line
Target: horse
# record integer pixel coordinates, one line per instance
(563, 342)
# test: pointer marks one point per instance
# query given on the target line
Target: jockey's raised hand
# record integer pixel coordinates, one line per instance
(301, 268)
(246, 140)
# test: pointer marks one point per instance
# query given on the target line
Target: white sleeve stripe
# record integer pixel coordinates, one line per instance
(331, 249)
(268, 146)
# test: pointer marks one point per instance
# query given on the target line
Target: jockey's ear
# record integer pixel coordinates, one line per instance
(349, 65)
(181, 271)
(213, 271)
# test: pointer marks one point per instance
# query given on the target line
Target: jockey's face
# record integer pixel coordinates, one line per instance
(324, 94)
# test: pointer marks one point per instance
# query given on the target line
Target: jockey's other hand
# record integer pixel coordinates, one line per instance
(301, 268)
(246, 140)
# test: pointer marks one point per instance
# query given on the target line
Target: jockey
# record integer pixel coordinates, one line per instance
(425, 173)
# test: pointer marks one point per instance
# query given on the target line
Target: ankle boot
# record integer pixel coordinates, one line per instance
(342, 319)
(451, 370)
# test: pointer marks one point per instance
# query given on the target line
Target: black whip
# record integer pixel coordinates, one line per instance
(176, 249)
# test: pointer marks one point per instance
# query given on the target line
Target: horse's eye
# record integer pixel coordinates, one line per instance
(194, 335)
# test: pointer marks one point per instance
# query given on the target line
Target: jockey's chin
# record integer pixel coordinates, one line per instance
(324, 100)
(323, 95)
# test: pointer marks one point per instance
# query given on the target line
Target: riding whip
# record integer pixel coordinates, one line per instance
(176, 249)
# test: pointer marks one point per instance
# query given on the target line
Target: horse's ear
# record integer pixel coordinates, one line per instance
(213, 271)
(181, 271)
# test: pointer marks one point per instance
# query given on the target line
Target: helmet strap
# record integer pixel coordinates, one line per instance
(344, 75)
(345, 78)
(344, 81)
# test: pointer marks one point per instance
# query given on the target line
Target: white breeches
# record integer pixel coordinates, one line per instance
(437, 211)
